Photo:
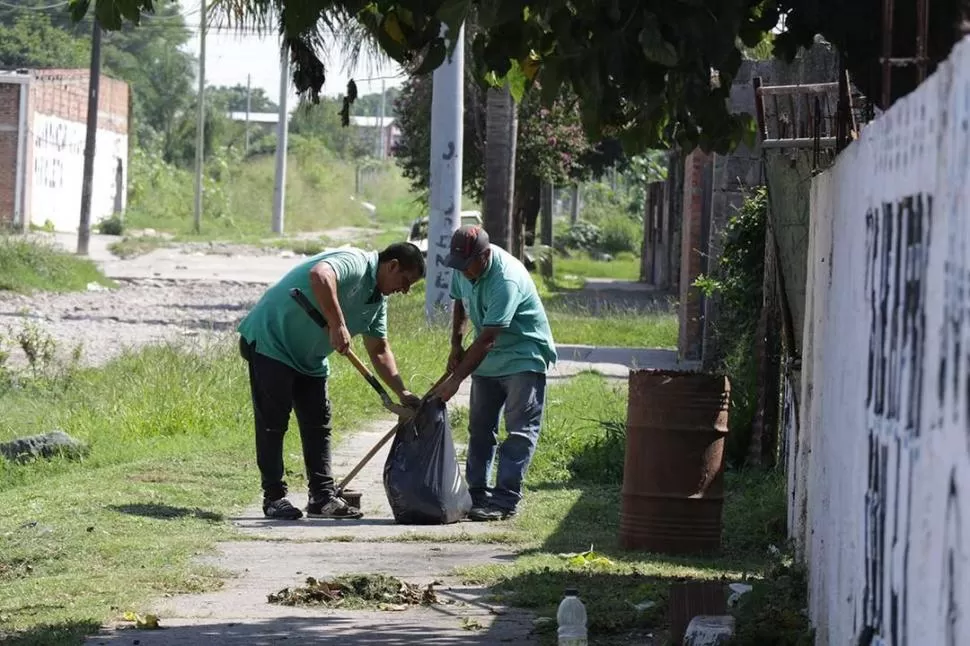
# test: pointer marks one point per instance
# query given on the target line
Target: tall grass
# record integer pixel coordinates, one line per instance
(28, 264)
(238, 200)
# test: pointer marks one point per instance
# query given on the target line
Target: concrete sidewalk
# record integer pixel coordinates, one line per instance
(615, 362)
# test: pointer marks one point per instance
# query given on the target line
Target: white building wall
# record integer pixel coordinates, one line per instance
(58, 170)
(882, 489)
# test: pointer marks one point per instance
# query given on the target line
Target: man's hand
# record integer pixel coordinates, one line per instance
(457, 354)
(340, 338)
(410, 400)
(447, 389)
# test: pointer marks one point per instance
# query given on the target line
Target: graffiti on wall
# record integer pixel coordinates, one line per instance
(58, 169)
(897, 252)
(884, 447)
(53, 141)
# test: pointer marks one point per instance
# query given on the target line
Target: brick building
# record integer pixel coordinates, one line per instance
(43, 123)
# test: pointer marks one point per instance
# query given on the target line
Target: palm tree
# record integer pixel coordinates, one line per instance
(501, 126)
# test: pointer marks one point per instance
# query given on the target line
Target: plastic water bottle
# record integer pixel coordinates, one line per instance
(571, 618)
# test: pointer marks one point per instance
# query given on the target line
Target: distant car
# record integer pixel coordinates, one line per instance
(418, 235)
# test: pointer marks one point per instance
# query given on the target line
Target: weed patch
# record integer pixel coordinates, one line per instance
(775, 611)
(132, 247)
(28, 264)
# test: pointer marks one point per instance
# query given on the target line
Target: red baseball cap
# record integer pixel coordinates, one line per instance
(467, 243)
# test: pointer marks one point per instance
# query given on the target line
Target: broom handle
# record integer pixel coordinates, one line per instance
(387, 436)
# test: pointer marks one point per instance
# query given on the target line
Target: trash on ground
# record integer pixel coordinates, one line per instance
(149, 622)
(588, 558)
(737, 591)
(357, 590)
(643, 605)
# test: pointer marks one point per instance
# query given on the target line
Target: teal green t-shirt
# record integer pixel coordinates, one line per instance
(283, 331)
(505, 296)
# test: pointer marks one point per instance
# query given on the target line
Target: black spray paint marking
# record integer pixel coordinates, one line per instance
(897, 244)
(952, 543)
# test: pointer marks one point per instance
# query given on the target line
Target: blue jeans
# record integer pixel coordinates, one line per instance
(523, 396)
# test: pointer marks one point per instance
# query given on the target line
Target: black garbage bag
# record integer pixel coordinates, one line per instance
(421, 476)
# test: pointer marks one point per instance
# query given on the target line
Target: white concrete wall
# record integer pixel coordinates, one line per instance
(881, 484)
(58, 154)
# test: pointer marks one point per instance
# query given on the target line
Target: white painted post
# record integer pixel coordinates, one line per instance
(279, 191)
(249, 93)
(447, 133)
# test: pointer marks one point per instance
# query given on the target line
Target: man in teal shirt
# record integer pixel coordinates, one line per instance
(508, 360)
(288, 368)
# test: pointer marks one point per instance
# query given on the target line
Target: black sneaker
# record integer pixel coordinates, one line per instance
(281, 510)
(336, 508)
(490, 513)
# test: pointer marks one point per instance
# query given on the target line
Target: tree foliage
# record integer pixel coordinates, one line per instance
(233, 99)
(369, 105)
(652, 74)
(552, 146)
(38, 33)
(322, 122)
(30, 40)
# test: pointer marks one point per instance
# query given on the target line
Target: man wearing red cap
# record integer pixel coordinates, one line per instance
(507, 361)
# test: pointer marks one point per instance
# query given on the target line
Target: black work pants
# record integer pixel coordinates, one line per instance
(278, 389)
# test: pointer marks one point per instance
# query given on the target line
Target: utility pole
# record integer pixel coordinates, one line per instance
(574, 204)
(380, 124)
(545, 228)
(200, 125)
(279, 190)
(90, 140)
(447, 135)
(248, 106)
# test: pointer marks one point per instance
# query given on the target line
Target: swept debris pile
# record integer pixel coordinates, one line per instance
(354, 591)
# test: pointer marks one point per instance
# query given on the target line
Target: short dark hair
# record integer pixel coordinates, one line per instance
(406, 254)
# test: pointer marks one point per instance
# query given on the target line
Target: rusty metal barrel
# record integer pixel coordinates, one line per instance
(673, 471)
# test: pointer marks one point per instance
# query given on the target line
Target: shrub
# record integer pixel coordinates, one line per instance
(618, 234)
(581, 236)
(112, 226)
(738, 288)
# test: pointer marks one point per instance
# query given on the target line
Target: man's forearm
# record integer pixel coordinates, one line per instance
(459, 324)
(386, 367)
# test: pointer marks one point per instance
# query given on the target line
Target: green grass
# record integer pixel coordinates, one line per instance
(573, 321)
(622, 329)
(625, 266)
(27, 264)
